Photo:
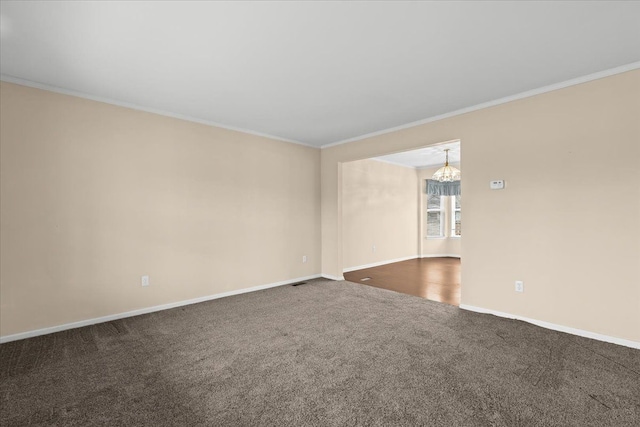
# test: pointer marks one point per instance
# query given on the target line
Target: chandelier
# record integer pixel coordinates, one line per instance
(447, 173)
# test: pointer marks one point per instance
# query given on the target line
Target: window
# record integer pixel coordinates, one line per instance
(456, 217)
(434, 216)
(444, 217)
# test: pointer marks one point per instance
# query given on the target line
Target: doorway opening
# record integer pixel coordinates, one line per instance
(397, 236)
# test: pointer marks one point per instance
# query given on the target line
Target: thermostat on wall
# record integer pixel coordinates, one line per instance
(497, 184)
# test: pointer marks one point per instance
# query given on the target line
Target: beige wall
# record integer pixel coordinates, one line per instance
(380, 208)
(558, 153)
(93, 196)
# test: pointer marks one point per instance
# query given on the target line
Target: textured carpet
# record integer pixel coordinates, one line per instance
(323, 354)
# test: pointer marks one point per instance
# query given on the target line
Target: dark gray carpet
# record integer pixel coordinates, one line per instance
(322, 354)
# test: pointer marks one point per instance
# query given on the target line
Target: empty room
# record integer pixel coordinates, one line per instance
(188, 188)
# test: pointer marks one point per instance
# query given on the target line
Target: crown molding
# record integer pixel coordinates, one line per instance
(56, 89)
(522, 95)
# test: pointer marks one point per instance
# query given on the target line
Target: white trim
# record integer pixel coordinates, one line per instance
(331, 277)
(376, 264)
(553, 326)
(441, 256)
(109, 318)
(43, 86)
(441, 210)
(527, 94)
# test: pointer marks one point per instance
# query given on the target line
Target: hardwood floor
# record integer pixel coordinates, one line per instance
(437, 279)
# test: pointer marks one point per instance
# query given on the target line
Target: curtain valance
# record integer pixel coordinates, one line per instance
(443, 188)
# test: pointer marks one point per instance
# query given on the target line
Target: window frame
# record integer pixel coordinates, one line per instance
(441, 211)
(453, 218)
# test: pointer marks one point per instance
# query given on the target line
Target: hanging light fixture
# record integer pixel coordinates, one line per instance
(447, 173)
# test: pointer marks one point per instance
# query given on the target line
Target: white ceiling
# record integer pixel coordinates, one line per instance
(427, 157)
(312, 72)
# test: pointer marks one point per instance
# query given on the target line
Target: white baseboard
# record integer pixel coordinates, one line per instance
(331, 277)
(377, 264)
(64, 327)
(441, 256)
(553, 326)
